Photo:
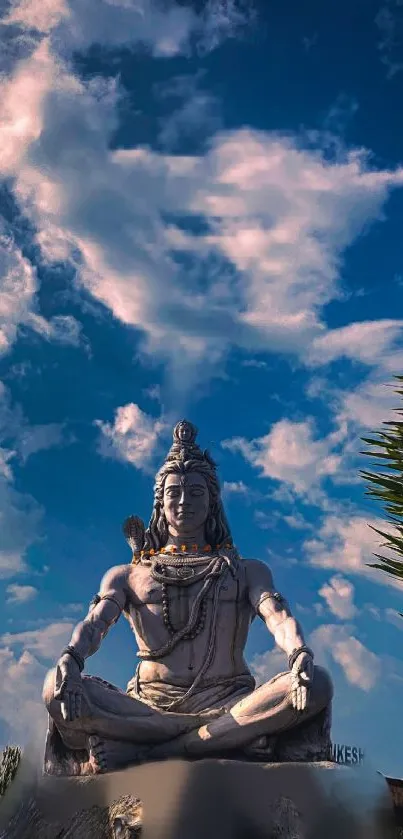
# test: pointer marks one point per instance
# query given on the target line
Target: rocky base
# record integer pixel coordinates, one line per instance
(219, 798)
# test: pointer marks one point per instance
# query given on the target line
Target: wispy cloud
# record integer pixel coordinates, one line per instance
(21, 515)
(190, 111)
(22, 714)
(20, 594)
(18, 289)
(132, 437)
(46, 642)
(167, 31)
(361, 667)
(37, 438)
(346, 543)
(22, 673)
(234, 488)
(18, 299)
(290, 453)
(369, 342)
(339, 596)
(389, 21)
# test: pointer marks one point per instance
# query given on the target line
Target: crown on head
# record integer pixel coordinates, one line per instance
(184, 446)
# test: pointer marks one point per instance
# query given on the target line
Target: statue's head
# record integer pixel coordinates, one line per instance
(187, 494)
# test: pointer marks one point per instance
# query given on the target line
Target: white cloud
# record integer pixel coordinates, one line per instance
(5, 469)
(131, 437)
(20, 516)
(277, 219)
(42, 15)
(347, 543)
(335, 647)
(223, 19)
(46, 643)
(361, 667)
(389, 21)
(194, 112)
(18, 286)
(368, 342)
(234, 488)
(23, 438)
(63, 329)
(18, 300)
(339, 596)
(21, 107)
(36, 438)
(20, 594)
(22, 713)
(289, 453)
(254, 362)
(297, 522)
(265, 666)
(166, 30)
(367, 406)
(276, 216)
(264, 520)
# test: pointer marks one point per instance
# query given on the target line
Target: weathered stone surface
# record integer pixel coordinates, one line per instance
(218, 798)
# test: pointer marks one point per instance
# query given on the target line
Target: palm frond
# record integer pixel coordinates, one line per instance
(386, 450)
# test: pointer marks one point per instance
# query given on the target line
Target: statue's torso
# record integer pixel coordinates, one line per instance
(181, 665)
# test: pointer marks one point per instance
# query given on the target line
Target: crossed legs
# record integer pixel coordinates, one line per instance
(120, 729)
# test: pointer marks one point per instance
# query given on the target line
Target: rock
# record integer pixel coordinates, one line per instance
(217, 798)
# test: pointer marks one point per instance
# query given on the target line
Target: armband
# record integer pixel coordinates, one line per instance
(113, 600)
(95, 600)
(98, 597)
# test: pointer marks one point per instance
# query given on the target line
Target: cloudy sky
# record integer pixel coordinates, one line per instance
(201, 212)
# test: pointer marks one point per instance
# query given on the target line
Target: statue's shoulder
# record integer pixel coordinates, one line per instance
(257, 571)
(116, 577)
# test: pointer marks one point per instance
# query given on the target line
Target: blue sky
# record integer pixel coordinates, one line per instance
(201, 210)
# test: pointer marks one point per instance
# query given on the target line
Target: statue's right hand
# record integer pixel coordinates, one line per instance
(69, 688)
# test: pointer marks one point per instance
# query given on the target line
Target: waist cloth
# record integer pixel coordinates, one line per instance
(217, 694)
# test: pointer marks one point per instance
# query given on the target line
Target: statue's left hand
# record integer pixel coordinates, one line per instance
(69, 688)
(301, 680)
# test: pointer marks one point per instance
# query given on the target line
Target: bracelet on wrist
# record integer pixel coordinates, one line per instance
(69, 650)
(295, 653)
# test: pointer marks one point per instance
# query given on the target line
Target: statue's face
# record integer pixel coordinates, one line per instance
(186, 502)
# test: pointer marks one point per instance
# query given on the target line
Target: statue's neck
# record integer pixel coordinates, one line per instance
(176, 540)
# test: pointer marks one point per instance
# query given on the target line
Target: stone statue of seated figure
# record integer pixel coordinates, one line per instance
(190, 599)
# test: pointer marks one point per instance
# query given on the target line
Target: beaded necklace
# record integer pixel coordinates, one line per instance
(181, 571)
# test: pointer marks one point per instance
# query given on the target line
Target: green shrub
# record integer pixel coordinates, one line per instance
(9, 762)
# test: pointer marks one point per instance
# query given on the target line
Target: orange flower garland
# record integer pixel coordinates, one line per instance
(184, 548)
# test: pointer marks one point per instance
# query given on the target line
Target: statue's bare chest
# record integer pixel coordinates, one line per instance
(153, 601)
(145, 590)
(159, 611)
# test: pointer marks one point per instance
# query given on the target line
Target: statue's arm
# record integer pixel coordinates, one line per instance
(105, 611)
(272, 607)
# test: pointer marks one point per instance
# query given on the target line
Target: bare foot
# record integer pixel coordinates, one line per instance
(109, 755)
(261, 749)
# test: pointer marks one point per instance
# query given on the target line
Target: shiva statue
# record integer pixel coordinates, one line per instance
(190, 599)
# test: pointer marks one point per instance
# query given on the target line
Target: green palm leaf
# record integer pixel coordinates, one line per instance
(386, 447)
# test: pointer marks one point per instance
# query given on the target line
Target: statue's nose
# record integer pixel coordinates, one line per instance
(183, 499)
